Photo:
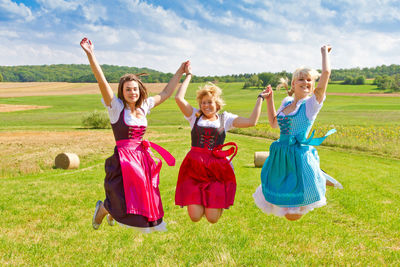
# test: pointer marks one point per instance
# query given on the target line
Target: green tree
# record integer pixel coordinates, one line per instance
(266, 78)
(386, 83)
(1, 77)
(359, 80)
(377, 80)
(255, 81)
(348, 80)
(396, 83)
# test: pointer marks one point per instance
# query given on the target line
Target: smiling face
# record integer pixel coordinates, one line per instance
(208, 106)
(303, 85)
(131, 92)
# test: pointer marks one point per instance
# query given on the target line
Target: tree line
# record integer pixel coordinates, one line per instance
(386, 75)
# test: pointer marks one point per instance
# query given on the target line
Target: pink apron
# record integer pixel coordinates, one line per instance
(140, 172)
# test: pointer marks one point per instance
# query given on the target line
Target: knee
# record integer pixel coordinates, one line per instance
(195, 218)
(293, 217)
(212, 219)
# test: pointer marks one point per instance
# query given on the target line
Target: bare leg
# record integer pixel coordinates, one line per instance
(100, 214)
(329, 183)
(213, 215)
(293, 217)
(195, 212)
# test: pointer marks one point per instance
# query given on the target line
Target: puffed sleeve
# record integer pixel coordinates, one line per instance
(115, 108)
(192, 118)
(313, 107)
(147, 105)
(228, 120)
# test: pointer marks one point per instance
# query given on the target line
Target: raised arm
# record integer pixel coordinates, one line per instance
(105, 89)
(242, 122)
(271, 111)
(180, 100)
(326, 72)
(169, 89)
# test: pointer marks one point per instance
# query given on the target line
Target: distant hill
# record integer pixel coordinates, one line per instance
(82, 73)
(72, 73)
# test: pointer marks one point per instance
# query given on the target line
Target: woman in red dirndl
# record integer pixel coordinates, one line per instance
(206, 182)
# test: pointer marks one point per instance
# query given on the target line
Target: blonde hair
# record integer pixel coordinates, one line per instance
(214, 92)
(303, 71)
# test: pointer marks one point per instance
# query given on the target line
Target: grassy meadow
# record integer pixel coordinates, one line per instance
(46, 213)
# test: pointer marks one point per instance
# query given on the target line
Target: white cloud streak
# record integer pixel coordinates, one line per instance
(17, 11)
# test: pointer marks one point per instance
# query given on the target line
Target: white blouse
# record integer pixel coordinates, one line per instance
(312, 106)
(116, 106)
(228, 120)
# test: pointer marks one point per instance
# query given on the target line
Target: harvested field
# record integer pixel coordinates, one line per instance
(8, 89)
(11, 108)
(32, 151)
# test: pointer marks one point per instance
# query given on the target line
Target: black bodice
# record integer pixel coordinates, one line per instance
(122, 131)
(208, 137)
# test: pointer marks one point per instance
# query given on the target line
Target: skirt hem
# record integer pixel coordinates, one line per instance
(162, 227)
(270, 208)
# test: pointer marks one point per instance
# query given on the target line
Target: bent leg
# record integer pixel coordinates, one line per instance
(213, 215)
(195, 212)
(100, 214)
(293, 217)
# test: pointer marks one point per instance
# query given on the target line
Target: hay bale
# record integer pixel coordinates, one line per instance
(259, 158)
(67, 161)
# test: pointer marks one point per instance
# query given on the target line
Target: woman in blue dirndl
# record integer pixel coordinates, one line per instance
(292, 182)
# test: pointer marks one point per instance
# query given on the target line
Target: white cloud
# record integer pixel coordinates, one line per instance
(16, 10)
(9, 34)
(371, 11)
(94, 13)
(60, 5)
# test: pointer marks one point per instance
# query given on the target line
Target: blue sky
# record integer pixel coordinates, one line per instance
(219, 37)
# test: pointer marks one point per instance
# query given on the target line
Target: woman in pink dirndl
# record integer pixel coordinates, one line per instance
(132, 174)
(206, 182)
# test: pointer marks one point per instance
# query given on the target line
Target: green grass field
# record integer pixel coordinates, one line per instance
(46, 212)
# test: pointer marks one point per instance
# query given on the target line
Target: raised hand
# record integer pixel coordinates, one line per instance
(188, 67)
(326, 49)
(267, 92)
(87, 45)
(181, 69)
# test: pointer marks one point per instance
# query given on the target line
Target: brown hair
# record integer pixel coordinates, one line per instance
(132, 77)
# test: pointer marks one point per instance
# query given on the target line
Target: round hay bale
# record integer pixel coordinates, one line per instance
(260, 157)
(67, 161)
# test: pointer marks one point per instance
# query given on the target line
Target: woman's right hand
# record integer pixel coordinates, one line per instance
(188, 68)
(87, 45)
(267, 93)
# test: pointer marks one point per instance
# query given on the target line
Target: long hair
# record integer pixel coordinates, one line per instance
(132, 77)
(303, 71)
(214, 92)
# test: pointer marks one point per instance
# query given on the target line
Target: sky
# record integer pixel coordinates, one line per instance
(219, 37)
